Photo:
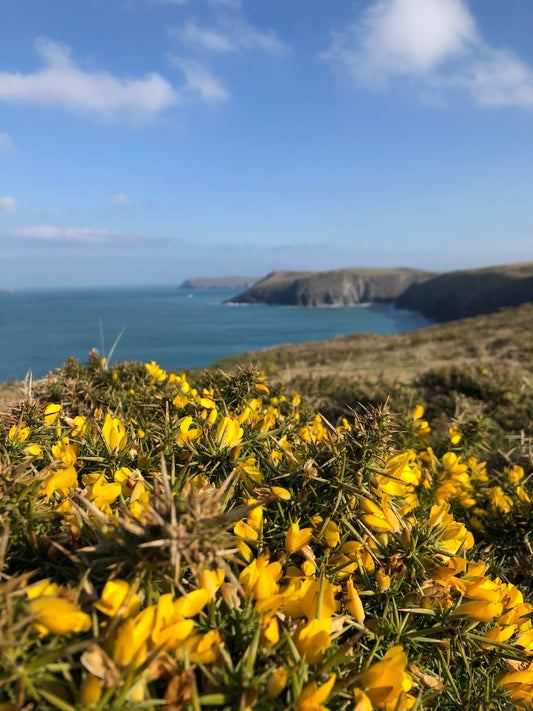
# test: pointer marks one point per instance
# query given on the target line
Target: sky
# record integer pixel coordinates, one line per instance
(149, 141)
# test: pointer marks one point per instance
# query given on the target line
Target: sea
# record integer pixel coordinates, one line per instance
(179, 329)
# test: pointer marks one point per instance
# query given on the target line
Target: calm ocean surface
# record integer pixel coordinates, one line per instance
(39, 329)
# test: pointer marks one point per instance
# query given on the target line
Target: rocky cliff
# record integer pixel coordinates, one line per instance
(332, 288)
(461, 294)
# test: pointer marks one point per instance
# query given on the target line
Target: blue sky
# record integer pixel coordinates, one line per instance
(147, 141)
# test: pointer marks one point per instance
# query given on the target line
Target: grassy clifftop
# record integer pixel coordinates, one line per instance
(504, 336)
(481, 363)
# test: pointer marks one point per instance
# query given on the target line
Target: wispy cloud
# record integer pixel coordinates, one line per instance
(62, 83)
(205, 37)
(6, 144)
(74, 235)
(496, 78)
(8, 204)
(249, 38)
(121, 201)
(437, 45)
(231, 33)
(200, 81)
(226, 3)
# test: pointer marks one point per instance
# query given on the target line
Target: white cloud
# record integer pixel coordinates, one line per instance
(74, 234)
(204, 37)
(6, 143)
(8, 204)
(249, 37)
(61, 83)
(199, 80)
(435, 44)
(121, 200)
(497, 78)
(231, 34)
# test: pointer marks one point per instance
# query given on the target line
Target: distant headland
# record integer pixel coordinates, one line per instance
(232, 282)
(439, 296)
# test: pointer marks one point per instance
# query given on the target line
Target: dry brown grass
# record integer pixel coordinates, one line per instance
(504, 337)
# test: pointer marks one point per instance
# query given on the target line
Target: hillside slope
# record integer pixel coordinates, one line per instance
(504, 337)
(481, 363)
(461, 294)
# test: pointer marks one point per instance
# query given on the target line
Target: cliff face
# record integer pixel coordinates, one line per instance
(461, 294)
(333, 288)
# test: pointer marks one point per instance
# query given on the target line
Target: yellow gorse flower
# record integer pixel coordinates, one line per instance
(34, 450)
(114, 434)
(352, 602)
(260, 577)
(277, 682)
(55, 614)
(79, 426)
(313, 695)
(102, 493)
(19, 433)
(62, 480)
(379, 518)
(384, 681)
(129, 643)
(313, 639)
(156, 372)
(51, 413)
(516, 473)
(186, 434)
(481, 610)
(229, 433)
(203, 648)
(280, 493)
(64, 452)
(116, 596)
(362, 702)
(297, 538)
(519, 685)
(91, 690)
(455, 434)
(329, 532)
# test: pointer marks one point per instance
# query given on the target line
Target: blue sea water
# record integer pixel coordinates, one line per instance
(39, 329)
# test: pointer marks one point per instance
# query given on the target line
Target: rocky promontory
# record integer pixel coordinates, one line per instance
(339, 287)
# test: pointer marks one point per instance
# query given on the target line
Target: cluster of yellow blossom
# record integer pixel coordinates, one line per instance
(265, 565)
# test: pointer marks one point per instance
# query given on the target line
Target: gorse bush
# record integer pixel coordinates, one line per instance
(200, 541)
